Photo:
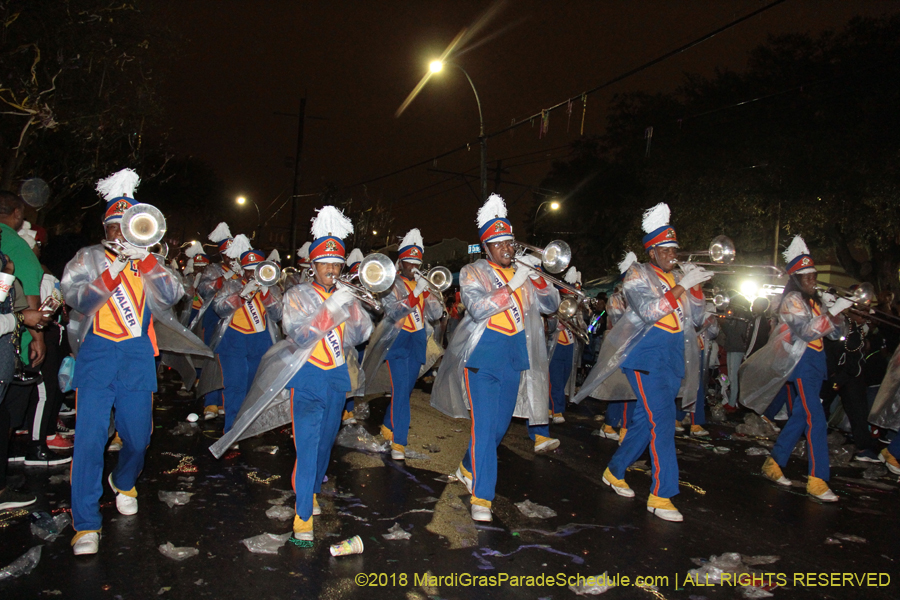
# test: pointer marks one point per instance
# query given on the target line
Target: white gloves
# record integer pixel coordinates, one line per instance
(519, 278)
(532, 261)
(341, 297)
(694, 276)
(828, 299)
(116, 267)
(133, 252)
(839, 306)
(197, 280)
(421, 286)
(250, 288)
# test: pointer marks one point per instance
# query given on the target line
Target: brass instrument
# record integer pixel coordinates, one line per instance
(265, 274)
(143, 226)
(438, 278)
(376, 274)
(863, 294)
(567, 314)
(721, 252)
(555, 258)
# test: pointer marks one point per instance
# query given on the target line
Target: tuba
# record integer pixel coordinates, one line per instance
(143, 226)
(376, 274)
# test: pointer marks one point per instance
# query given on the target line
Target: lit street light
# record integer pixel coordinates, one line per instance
(554, 206)
(241, 200)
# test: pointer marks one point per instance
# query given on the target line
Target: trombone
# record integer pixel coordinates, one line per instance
(721, 252)
(438, 278)
(376, 274)
(567, 315)
(555, 257)
(143, 226)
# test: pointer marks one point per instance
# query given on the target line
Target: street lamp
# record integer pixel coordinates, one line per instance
(241, 200)
(554, 205)
(436, 66)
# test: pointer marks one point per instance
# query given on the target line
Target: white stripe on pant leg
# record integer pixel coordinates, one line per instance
(39, 413)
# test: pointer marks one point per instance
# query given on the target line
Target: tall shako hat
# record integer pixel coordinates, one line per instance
(353, 259)
(657, 229)
(240, 249)
(118, 191)
(412, 247)
(196, 257)
(303, 253)
(493, 226)
(274, 256)
(573, 278)
(630, 259)
(221, 235)
(329, 228)
(797, 258)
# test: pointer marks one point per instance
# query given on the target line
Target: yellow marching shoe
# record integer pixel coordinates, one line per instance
(558, 418)
(463, 475)
(116, 444)
(698, 430)
(618, 485)
(608, 432)
(86, 542)
(679, 428)
(210, 412)
(622, 432)
(317, 510)
(664, 509)
(481, 510)
(303, 530)
(387, 433)
(818, 489)
(398, 452)
(545, 444)
(772, 472)
(347, 418)
(889, 461)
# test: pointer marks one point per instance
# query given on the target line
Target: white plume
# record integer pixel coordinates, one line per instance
(221, 232)
(571, 276)
(189, 266)
(579, 278)
(494, 207)
(656, 217)
(331, 221)
(355, 256)
(626, 263)
(121, 183)
(274, 256)
(795, 249)
(239, 245)
(412, 238)
(194, 249)
(303, 251)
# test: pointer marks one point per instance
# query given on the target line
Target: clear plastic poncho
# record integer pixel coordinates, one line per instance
(306, 319)
(483, 299)
(886, 408)
(647, 304)
(228, 299)
(396, 309)
(765, 372)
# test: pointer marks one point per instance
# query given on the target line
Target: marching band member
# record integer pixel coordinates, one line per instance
(303, 269)
(564, 348)
(707, 333)
(794, 357)
(655, 345)
(111, 331)
(197, 261)
(617, 407)
(496, 365)
(354, 359)
(401, 339)
(885, 412)
(243, 335)
(322, 323)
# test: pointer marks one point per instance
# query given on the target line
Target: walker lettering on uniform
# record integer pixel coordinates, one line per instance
(126, 309)
(255, 317)
(334, 343)
(514, 310)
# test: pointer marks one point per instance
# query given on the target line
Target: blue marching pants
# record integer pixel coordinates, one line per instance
(807, 418)
(698, 417)
(560, 371)
(492, 396)
(653, 424)
(535, 430)
(317, 400)
(894, 447)
(780, 400)
(617, 413)
(209, 322)
(404, 372)
(134, 422)
(239, 354)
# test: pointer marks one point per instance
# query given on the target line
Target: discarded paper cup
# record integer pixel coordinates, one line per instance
(192, 418)
(352, 546)
(6, 282)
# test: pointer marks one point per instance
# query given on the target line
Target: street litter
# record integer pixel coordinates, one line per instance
(845, 537)
(535, 511)
(396, 533)
(361, 411)
(62, 478)
(266, 449)
(23, 565)
(416, 455)
(357, 438)
(432, 448)
(732, 563)
(352, 546)
(593, 586)
(185, 429)
(874, 472)
(48, 528)
(756, 451)
(180, 553)
(446, 479)
(755, 426)
(280, 513)
(266, 543)
(174, 499)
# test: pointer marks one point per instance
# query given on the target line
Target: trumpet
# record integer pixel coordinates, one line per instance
(266, 273)
(438, 278)
(376, 274)
(567, 314)
(143, 226)
(721, 252)
(555, 257)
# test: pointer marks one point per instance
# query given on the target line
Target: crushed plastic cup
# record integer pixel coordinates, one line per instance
(394, 533)
(280, 513)
(535, 511)
(192, 418)
(352, 546)
(266, 543)
(23, 565)
(169, 550)
(174, 499)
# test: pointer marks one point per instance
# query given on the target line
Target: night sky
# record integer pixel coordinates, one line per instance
(241, 62)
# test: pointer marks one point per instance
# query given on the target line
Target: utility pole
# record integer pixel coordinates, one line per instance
(298, 175)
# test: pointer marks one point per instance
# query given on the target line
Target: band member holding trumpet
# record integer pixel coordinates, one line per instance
(354, 258)
(655, 345)
(112, 294)
(401, 339)
(245, 307)
(794, 356)
(496, 365)
(562, 359)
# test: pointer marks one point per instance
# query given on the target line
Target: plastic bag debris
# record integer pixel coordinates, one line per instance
(429, 500)
(874, 472)
(757, 451)
(180, 553)
(48, 528)
(23, 565)
(721, 449)
(266, 543)
(280, 513)
(174, 499)
(184, 428)
(535, 511)
(62, 478)
(717, 413)
(357, 438)
(361, 411)
(730, 562)
(755, 426)
(593, 586)
(416, 455)
(396, 533)
(750, 592)
(837, 538)
(266, 449)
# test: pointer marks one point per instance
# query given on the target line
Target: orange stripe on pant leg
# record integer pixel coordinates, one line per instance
(812, 455)
(293, 433)
(391, 377)
(472, 413)
(625, 415)
(652, 432)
